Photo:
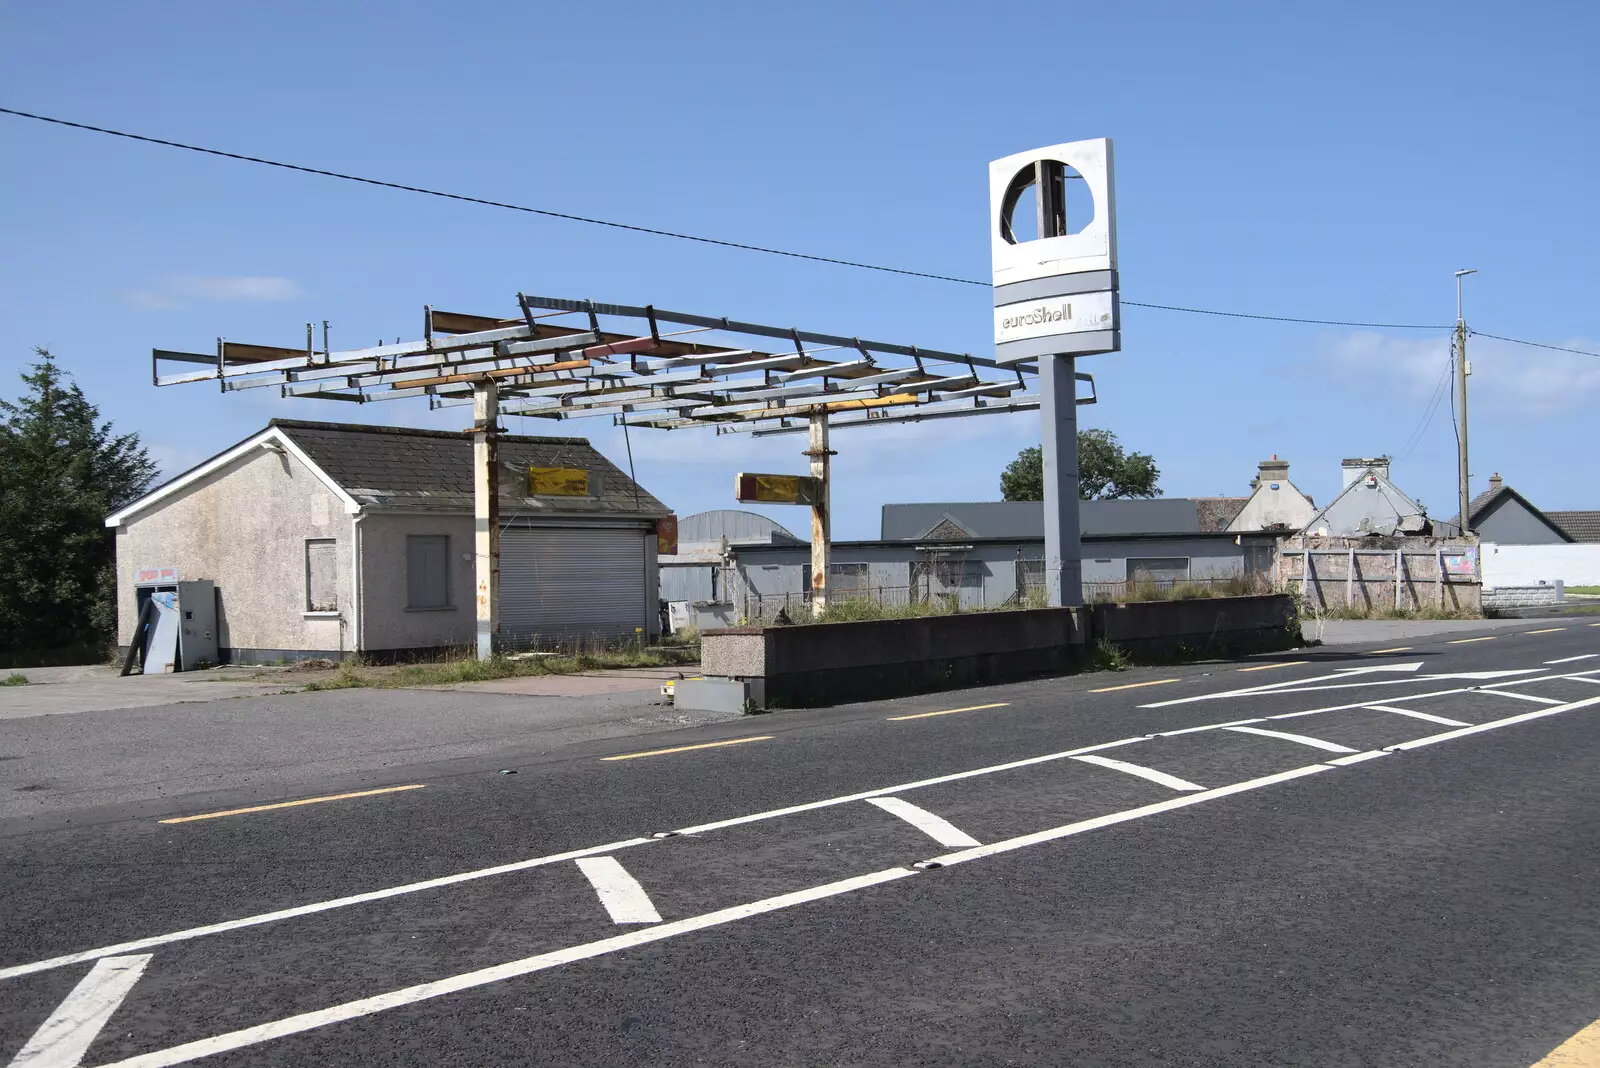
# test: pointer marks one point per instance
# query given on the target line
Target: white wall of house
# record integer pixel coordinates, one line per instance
(1529, 565)
(245, 526)
(1269, 508)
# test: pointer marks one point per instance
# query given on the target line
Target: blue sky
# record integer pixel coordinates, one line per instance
(1285, 159)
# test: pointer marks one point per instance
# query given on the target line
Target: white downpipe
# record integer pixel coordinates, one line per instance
(356, 643)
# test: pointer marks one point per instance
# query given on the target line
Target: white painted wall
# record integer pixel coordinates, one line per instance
(1528, 565)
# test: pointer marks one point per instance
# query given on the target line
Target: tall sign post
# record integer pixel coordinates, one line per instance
(486, 513)
(1055, 299)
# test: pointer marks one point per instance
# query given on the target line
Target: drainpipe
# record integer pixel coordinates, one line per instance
(357, 644)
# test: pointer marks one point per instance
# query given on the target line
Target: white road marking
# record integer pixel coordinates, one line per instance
(1525, 697)
(1570, 659)
(250, 1036)
(938, 828)
(313, 908)
(1297, 685)
(1538, 713)
(1315, 743)
(65, 1037)
(1417, 715)
(619, 892)
(1170, 781)
(1357, 758)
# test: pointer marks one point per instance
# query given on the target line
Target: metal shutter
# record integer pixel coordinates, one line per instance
(562, 583)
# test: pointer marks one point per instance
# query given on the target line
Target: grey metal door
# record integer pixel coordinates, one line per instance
(562, 583)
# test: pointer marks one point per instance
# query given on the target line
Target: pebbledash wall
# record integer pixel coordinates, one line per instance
(248, 520)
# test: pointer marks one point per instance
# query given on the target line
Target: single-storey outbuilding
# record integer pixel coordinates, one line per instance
(327, 539)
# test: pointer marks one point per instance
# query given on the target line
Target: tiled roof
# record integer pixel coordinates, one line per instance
(1215, 513)
(431, 470)
(1580, 526)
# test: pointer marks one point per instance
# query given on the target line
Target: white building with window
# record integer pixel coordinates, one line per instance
(326, 539)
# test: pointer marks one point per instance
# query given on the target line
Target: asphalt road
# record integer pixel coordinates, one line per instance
(875, 885)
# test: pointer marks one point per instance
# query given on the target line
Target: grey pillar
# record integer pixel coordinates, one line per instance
(486, 512)
(1063, 536)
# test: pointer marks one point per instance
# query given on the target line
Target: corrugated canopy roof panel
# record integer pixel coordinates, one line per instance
(565, 359)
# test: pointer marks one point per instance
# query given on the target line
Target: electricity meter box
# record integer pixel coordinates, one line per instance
(177, 629)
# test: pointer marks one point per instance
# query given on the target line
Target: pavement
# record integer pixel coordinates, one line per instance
(1353, 855)
(98, 687)
(1362, 631)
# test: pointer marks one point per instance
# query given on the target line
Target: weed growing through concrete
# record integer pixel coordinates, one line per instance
(16, 678)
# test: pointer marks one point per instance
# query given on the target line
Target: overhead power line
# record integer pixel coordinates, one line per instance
(746, 246)
(1534, 344)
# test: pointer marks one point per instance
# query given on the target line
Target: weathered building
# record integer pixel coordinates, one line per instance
(1369, 503)
(325, 539)
(1275, 503)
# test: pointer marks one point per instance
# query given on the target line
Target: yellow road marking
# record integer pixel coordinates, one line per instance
(1269, 667)
(1582, 1050)
(1133, 685)
(292, 804)
(953, 711)
(1396, 649)
(1547, 630)
(1464, 641)
(686, 748)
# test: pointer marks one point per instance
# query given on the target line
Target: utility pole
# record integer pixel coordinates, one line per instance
(486, 513)
(821, 518)
(1462, 371)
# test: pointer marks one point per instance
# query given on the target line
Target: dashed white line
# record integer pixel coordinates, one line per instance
(619, 892)
(1430, 717)
(65, 1036)
(1170, 781)
(938, 828)
(1285, 736)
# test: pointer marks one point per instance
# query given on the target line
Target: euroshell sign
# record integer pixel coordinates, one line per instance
(1055, 294)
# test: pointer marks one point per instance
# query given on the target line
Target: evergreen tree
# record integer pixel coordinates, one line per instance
(62, 471)
(1106, 471)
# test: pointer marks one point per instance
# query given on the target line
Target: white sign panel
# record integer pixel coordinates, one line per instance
(1073, 314)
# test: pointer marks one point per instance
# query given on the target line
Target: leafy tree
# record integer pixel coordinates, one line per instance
(1105, 471)
(62, 471)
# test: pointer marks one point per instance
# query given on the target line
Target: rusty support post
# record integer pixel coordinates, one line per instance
(486, 512)
(821, 522)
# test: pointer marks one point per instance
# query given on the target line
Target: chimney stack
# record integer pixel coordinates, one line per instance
(1269, 471)
(1495, 482)
(1355, 467)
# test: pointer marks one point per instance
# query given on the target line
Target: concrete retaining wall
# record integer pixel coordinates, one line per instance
(830, 663)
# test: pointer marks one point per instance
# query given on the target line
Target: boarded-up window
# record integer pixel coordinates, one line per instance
(1158, 569)
(322, 575)
(428, 571)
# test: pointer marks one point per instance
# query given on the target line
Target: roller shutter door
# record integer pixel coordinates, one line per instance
(561, 583)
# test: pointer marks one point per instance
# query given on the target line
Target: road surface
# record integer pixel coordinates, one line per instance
(1358, 856)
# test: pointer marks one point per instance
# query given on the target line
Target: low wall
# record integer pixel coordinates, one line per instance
(1372, 573)
(1504, 598)
(1529, 565)
(1221, 626)
(829, 663)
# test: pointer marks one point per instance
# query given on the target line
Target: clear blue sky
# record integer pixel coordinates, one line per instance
(1325, 162)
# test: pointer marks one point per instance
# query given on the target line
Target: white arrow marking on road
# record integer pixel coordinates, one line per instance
(1418, 715)
(938, 828)
(1285, 736)
(1140, 770)
(64, 1038)
(619, 892)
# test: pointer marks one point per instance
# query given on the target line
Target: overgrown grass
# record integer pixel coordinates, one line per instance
(1146, 590)
(460, 666)
(16, 678)
(1390, 612)
(1108, 657)
(1591, 591)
